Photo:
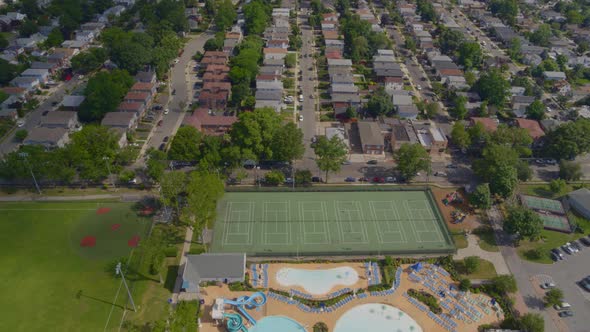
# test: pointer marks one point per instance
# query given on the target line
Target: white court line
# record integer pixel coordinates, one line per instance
(361, 216)
(266, 232)
(418, 233)
(390, 222)
(323, 212)
(229, 221)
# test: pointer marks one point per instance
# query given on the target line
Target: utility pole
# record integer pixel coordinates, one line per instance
(106, 159)
(24, 155)
(118, 271)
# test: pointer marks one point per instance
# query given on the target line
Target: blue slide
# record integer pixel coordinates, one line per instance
(234, 323)
(250, 302)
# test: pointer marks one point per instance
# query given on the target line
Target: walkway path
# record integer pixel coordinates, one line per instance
(37, 198)
(188, 237)
(473, 249)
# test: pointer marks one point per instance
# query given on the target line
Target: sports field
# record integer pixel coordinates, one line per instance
(330, 223)
(53, 264)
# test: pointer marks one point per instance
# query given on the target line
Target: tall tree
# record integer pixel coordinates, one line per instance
(288, 143)
(412, 158)
(331, 153)
(186, 144)
(254, 133)
(172, 184)
(225, 15)
(459, 135)
(104, 92)
(498, 167)
(536, 110)
(203, 191)
(568, 140)
(570, 170)
(523, 222)
(459, 110)
(493, 87)
(470, 55)
(481, 197)
(380, 103)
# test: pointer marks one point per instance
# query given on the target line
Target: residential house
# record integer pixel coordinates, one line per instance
(430, 137)
(138, 97)
(554, 76)
(274, 53)
(60, 119)
(371, 138)
(51, 67)
(214, 58)
(28, 83)
(85, 35)
(563, 88)
(138, 108)
(531, 126)
(215, 95)
(408, 111)
(146, 77)
(490, 125)
(216, 73)
(125, 120)
(75, 44)
(402, 132)
(49, 138)
(72, 102)
(149, 88)
(232, 39)
(210, 123)
(269, 98)
(520, 103)
(41, 74)
(278, 43)
(226, 268)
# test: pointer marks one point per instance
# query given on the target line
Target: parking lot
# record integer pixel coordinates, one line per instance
(566, 274)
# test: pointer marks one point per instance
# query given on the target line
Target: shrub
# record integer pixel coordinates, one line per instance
(427, 299)
(471, 264)
(465, 284)
(320, 327)
(171, 251)
(534, 254)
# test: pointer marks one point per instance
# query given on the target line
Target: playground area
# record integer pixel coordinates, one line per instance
(455, 209)
(56, 268)
(330, 223)
(551, 211)
(345, 308)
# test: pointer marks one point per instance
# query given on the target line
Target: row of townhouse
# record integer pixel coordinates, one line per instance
(269, 84)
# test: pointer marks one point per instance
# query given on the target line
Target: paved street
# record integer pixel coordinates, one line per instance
(307, 86)
(179, 82)
(33, 118)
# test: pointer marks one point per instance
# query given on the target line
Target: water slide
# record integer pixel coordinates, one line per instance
(234, 323)
(250, 302)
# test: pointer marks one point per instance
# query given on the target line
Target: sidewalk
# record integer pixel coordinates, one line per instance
(34, 198)
(473, 249)
(188, 237)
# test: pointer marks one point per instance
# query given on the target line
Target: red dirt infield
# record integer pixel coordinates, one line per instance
(88, 241)
(133, 242)
(103, 210)
(115, 227)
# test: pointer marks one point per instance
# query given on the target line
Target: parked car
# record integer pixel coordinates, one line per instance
(567, 313)
(350, 179)
(162, 147)
(567, 249)
(440, 174)
(574, 249)
(346, 162)
(576, 246)
(166, 139)
(372, 162)
(547, 285)
(557, 253)
(390, 179)
(378, 179)
(44, 113)
(451, 166)
(300, 117)
(585, 283)
(316, 179)
(166, 111)
(562, 306)
(289, 181)
(555, 257)
(585, 241)
(363, 179)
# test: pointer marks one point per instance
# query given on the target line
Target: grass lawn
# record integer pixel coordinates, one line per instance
(50, 282)
(485, 270)
(487, 241)
(542, 190)
(460, 240)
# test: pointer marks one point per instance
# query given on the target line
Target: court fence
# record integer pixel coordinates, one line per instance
(326, 188)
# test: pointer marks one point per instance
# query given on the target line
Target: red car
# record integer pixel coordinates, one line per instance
(378, 180)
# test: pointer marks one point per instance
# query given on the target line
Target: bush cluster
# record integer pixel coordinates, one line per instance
(427, 299)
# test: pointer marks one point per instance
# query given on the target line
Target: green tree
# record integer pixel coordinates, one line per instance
(254, 133)
(506, 10)
(412, 158)
(27, 28)
(3, 42)
(186, 144)
(172, 184)
(570, 170)
(302, 177)
(515, 49)
(459, 110)
(203, 191)
(225, 15)
(431, 110)
(274, 178)
(470, 55)
(498, 167)
(331, 153)
(54, 39)
(493, 87)
(21, 134)
(380, 103)
(450, 41)
(553, 297)
(516, 138)
(104, 92)
(541, 35)
(152, 253)
(481, 197)
(90, 60)
(156, 165)
(557, 186)
(505, 284)
(568, 140)
(536, 110)
(214, 44)
(256, 14)
(464, 285)
(532, 322)
(288, 143)
(459, 135)
(126, 175)
(471, 264)
(91, 149)
(523, 222)
(290, 60)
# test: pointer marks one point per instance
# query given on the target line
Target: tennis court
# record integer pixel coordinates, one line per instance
(540, 203)
(330, 223)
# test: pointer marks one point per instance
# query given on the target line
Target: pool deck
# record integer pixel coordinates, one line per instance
(278, 308)
(358, 267)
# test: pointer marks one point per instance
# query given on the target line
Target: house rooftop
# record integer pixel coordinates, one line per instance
(532, 126)
(72, 101)
(117, 119)
(489, 124)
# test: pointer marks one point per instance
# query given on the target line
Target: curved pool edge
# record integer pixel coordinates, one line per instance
(376, 317)
(297, 327)
(317, 281)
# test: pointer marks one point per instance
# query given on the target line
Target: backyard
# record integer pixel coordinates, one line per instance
(60, 273)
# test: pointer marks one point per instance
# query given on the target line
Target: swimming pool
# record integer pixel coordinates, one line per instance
(277, 323)
(376, 317)
(317, 282)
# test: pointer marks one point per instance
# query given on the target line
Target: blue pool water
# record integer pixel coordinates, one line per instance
(376, 317)
(276, 324)
(317, 282)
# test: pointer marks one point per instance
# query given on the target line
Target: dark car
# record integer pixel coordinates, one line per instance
(166, 139)
(174, 91)
(372, 162)
(557, 253)
(567, 313)
(350, 179)
(316, 179)
(585, 241)
(576, 245)
(44, 113)
(363, 179)
(162, 147)
(585, 283)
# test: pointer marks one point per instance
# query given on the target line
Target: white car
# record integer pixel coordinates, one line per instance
(20, 124)
(300, 117)
(166, 111)
(176, 61)
(419, 88)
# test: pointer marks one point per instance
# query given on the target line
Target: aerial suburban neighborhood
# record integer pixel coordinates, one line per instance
(295, 165)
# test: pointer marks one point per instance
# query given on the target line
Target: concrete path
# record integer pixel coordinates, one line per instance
(188, 237)
(473, 249)
(37, 198)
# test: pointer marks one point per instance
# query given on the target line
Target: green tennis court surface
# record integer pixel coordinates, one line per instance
(539, 203)
(330, 223)
(555, 222)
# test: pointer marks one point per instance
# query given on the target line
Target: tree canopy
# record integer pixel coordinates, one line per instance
(90, 60)
(523, 222)
(331, 153)
(412, 158)
(481, 197)
(104, 92)
(498, 168)
(257, 15)
(459, 135)
(568, 140)
(536, 110)
(493, 87)
(380, 103)
(185, 145)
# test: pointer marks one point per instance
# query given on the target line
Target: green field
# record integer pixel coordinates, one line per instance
(330, 223)
(51, 283)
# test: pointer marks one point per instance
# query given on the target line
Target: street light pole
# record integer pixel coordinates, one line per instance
(24, 155)
(106, 159)
(118, 271)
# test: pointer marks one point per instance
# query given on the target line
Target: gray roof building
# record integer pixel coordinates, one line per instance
(212, 267)
(579, 200)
